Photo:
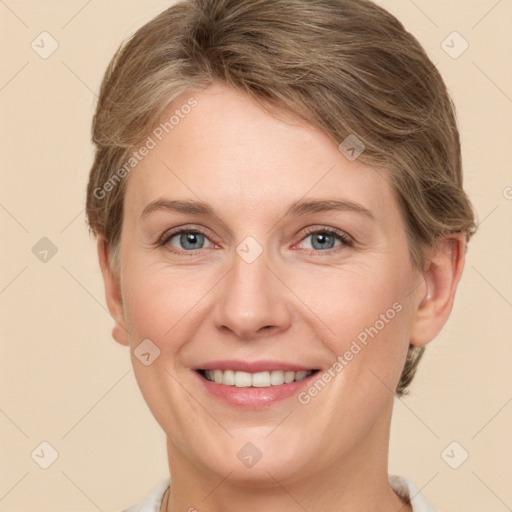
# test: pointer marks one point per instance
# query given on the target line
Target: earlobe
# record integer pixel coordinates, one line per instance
(435, 298)
(120, 334)
(112, 293)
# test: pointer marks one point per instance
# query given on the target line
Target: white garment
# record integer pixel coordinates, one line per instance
(401, 485)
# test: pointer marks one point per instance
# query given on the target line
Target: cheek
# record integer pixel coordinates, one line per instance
(363, 315)
(159, 301)
(162, 307)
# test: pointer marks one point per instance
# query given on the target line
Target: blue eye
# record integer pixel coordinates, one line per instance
(191, 240)
(187, 240)
(325, 238)
(321, 240)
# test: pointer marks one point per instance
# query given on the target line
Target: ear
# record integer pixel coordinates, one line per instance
(112, 293)
(434, 300)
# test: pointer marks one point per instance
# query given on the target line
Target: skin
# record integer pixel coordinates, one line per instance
(296, 302)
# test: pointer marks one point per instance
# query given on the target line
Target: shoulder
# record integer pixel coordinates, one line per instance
(152, 502)
(407, 489)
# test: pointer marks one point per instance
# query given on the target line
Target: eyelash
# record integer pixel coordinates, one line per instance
(340, 235)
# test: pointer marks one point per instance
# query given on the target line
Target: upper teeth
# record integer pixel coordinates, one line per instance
(258, 380)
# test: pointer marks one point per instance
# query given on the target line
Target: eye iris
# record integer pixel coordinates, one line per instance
(191, 238)
(322, 238)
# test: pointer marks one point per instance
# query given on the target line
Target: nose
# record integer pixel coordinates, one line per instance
(253, 301)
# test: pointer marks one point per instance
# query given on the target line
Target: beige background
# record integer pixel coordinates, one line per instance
(66, 382)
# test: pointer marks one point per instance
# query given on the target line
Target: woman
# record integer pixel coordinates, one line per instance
(277, 197)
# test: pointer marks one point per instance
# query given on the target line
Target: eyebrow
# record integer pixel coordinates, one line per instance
(297, 208)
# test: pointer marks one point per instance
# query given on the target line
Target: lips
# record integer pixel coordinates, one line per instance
(253, 385)
(250, 397)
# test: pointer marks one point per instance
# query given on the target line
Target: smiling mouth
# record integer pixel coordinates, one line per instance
(263, 379)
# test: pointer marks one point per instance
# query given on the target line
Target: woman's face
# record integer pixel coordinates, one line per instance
(271, 277)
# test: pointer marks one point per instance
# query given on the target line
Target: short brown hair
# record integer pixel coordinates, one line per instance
(347, 66)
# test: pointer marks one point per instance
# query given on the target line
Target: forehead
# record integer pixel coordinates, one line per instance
(231, 153)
